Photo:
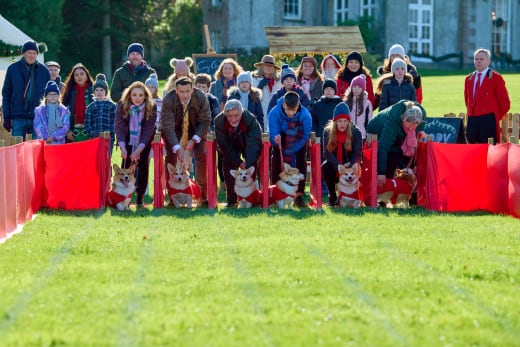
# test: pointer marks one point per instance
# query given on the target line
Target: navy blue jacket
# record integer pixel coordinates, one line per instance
(16, 78)
(304, 99)
(322, 112)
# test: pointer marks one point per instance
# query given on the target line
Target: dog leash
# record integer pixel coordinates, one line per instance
(282, 167)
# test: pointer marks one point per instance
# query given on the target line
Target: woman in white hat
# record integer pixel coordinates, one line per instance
(267, 79)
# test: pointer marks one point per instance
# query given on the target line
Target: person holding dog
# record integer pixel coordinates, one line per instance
(185, 120)
(342, 145)
(398, 127)
(239, 138)
(487, 100)
(290, 126)
(134, 128)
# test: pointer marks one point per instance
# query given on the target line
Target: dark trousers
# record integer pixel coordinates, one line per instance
(329, 173)
(22, 127)
(141, 173)
(480, 128)
(301, 165)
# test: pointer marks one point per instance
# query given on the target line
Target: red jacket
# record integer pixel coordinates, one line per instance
(491, 97)
(343, 86)
(193, 190)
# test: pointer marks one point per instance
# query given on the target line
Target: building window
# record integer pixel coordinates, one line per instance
(500, 39)
(420, 25)
(292, 9)
(367, 8)
(340, 11)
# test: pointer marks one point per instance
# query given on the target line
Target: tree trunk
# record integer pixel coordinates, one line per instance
(107, 48)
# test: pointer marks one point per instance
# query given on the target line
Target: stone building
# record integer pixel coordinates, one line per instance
(426, 28)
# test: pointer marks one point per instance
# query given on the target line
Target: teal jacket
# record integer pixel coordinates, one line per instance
(387, 125)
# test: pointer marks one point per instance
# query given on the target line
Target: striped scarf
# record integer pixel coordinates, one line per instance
(294, 132)
(136, 117)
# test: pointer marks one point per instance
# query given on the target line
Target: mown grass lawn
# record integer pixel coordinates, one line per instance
(261, 278)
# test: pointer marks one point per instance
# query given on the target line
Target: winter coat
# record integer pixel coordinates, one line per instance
(125, 76)
(41, 124)
(362, 118)
(69, 100)
(122, 127)
(304, 100)
(392, 92)
(322, 112)
(254, 104)
(351, 157)
(266, 95)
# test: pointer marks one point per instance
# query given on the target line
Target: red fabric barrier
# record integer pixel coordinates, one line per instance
(456, 177)
(369, 175)
(421, 167)
(315, 188)
(159, 178)
(211, 174)
(513, 170)
(73, 175)
(498, 179)
(9, 188)
(3, 195)
(38, 173)
(264, 167)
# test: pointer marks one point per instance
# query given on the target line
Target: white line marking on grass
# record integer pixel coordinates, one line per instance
(361, 295)
(13, 313)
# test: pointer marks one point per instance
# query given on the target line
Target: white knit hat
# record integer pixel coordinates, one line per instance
(396, 49)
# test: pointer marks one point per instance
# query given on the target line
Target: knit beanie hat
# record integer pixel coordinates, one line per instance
(287, 72)
(398, 63)
(245, 77)
(329, 83)
(341, 111)
(396, 49)
(152, 81)
(355, 56)
(135, 47)
(181, 65)
(51, 87)
(359, 81)
(30, 46)
(101, 82)
(52, 63)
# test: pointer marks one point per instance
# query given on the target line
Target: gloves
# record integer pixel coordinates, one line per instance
(7, 124)
(263, 82)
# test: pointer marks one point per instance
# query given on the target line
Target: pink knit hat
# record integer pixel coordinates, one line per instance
(359, 81)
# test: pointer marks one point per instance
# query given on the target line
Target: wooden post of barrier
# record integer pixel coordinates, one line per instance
(514, 127)
(158, 172)
(316, 186)
(211, 171)
(28, 137)
(491, 141)
(264, 167)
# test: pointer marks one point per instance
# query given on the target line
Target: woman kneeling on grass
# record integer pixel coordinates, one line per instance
(398, 129)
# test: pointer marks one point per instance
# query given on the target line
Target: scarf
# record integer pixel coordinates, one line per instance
(80, 105)
(185, 125)
(244, 98)
(137, 69)
(306, 86)
(294, 132)
(226, 85)
(136, 117)
(236, 132)
(341, 137)
(410, 142)
(271, 84)
(29, 88)
(53, 118)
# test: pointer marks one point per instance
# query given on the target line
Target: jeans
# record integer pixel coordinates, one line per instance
(21, 127)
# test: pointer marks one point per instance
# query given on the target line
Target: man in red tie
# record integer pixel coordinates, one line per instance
(487, 100)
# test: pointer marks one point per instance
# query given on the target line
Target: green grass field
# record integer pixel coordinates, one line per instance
(233, 277)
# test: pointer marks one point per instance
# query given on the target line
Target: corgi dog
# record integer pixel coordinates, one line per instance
(246, 188)
(182, 190)
(397, 191)
(349, 186)
(284, 191)
(122, 187)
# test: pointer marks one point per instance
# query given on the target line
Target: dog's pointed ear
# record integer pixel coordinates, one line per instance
(287, 167)
(117, 170)
(341, 169)
(169, 166)
(251, 170)
(132, 167)
(355, 167)
(233, 173)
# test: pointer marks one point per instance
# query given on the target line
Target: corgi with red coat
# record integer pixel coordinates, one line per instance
(396, 192)
(122, 187)
(182, 190)
(246, 188)
(282, 194)
(349, 186)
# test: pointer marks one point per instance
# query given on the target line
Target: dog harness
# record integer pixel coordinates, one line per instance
(397, 186)
(354, 196)
(253, 198)
(114, 198)
(192, 189)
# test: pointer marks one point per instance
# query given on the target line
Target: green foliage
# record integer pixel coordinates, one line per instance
(367, 28)
(261, 278)
(40, 19)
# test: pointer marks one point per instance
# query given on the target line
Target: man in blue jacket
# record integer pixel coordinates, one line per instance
(23, 89)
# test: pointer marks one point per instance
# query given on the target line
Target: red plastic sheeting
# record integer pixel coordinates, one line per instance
(315, 188)
(76, 175)
(211, 174)
(264, 168)
(513, 171)
(369, 175)
(159, 177)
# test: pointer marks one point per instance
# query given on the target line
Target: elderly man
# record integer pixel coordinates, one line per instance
(486, 98)
(239, 137)
(185, 120)
(135, 69)
(23, 89)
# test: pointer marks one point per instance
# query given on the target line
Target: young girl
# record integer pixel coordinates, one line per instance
(135, 124)
(342, 141)
(249, 96)
(395, 86)
(77, 96)
(353, 67)
(51, 118)
(359, 105)
(181, 68)
(225, 78)
(152, 84)
(309, 78)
